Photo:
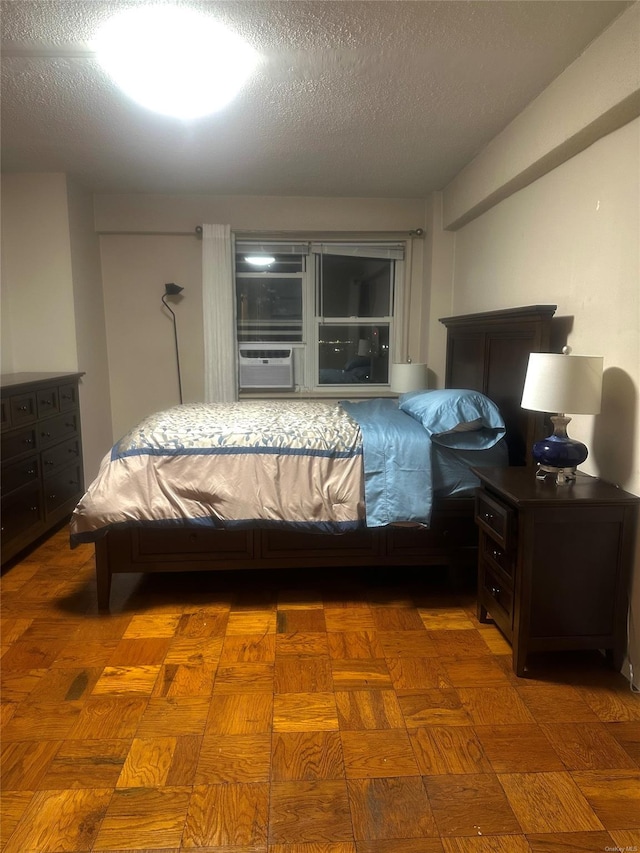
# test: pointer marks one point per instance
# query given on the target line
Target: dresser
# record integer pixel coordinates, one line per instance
(554, 562)
(41, 477)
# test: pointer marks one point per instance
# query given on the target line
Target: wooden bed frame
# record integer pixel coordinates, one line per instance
(486, 352)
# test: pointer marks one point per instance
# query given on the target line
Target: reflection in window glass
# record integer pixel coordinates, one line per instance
(356, 287)
(269, 308)
(353, 353)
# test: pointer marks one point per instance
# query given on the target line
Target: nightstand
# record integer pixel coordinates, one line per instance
(554, 562)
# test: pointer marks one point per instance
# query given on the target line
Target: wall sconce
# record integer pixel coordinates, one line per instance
(559, 382)
(173, 290)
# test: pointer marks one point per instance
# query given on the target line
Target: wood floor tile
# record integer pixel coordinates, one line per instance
(571, 842)
(612, 706)
(315, 847)
(203, 623)
(559, 703)
(148, 762)
(194, 651)
(16, 685)
(91, 653)
(234, 758)
(348, 619)
(65, 684)
(549, 802)
(254, 648)
(302, 675)
(251, 622)
(396, 619)
(360, 674)
(177, 679)
(433, 708)
(12, 806)
(459, 644)
(614, 795)
(307, 621)
(304, 712)
(406, 644)
(473, 672)
(174, 716)
(439, 619)
(143, 818)
(352, 645)
(626, 839)
(156, 625)
(24, 763)
(241, 677)
(60, 820)
(303, 644)
(417, 673)
(309, 812)
(378, 753)
(587, 746)
(401, 845)
(628, 736)
(86, 764)
(368, 709)
(41, 721)
(470, 805)
(487, 844)
(127, 680)
(240, 713)
(386, 808)
(489, 705)
(521, 748)
(307, 756)
(228, 816)
(108, 717)
(445, 750)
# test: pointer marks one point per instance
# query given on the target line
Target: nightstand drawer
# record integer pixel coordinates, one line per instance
(495, 519)
(497, 593)
(494, 554)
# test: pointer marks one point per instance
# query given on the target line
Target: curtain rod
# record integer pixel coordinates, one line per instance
(283, 235)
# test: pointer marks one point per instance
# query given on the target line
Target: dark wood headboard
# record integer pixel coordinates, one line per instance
(489, 352)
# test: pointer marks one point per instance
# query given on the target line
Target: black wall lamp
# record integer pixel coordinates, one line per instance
(173, 290)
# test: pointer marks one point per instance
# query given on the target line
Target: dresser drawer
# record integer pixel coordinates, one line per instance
(48, 402)
(57, 429)
(62, 487)
(60, 455)
(20, 512)
(18, 442)
(22, 409)
(496, 519)
(68, 396)
(19, 474)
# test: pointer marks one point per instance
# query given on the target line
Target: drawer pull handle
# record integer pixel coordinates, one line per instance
(49, 462)
(31, 471)
(45, 434)
(52, 497)
(47, 402)
(495, 591)
(28, 441)
(71, 425)
(23, 408)
(488, 516)
(496, 554)
(33, 508)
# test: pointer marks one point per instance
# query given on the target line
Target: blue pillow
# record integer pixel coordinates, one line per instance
(456, 417)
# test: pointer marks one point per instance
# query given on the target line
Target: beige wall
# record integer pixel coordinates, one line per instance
(549, 212)
(38, 318)
(141, 251)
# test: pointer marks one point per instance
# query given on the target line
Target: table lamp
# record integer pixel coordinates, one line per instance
(559, 382)
(408, 376)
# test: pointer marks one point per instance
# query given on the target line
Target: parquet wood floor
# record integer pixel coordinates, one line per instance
(317, 712)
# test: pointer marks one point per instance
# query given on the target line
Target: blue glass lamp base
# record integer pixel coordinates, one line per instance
(558, 454)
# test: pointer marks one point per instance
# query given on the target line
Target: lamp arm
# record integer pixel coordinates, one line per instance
(175, 336)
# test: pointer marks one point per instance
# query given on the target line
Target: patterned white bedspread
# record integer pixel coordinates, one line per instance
(297, 463)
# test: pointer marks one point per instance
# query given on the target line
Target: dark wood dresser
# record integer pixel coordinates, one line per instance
(42, 477)
(555, 562)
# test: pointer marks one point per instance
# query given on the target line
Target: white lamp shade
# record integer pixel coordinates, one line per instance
(408, 376)
(567, 384)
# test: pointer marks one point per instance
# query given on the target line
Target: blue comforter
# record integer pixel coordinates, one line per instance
(397, 463)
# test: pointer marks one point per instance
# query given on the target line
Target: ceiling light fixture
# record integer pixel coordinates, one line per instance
(260, 260)
(174, 61)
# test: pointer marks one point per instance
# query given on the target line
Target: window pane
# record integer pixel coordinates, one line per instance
(269, 309)
(356, 287)
(353, 354)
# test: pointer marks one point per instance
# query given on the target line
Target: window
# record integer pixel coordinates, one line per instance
(333, 302)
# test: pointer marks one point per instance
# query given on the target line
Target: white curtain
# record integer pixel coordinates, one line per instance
(218, 303)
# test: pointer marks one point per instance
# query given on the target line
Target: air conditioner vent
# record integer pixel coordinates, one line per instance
(261, 366)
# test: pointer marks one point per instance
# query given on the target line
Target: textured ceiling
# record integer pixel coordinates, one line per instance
(386, 99)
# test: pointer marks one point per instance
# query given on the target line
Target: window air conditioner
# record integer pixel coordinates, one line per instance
(265, 366)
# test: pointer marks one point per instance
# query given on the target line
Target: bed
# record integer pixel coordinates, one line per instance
(347, 509)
